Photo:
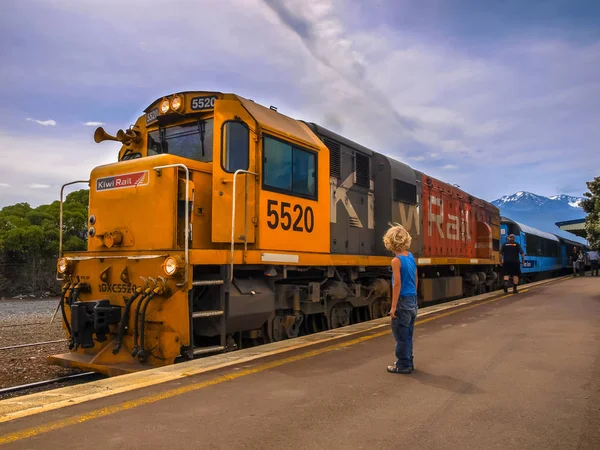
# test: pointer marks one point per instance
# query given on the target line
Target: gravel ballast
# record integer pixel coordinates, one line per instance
(27, 321)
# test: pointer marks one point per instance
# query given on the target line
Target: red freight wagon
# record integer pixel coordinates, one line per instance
(455, 224)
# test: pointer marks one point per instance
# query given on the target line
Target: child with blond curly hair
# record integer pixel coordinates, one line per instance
(404, 297)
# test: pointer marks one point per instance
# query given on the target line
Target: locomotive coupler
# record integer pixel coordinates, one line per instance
(89, 318)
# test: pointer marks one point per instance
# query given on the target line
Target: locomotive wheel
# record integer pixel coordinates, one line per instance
(340, 315)
(380, 308)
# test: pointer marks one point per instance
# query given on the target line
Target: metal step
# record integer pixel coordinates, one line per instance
(204, 350)
(209, 313)
(207, 282)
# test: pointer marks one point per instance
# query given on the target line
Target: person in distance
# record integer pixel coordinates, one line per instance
(573, 259)
(509, 254)
(594, 257)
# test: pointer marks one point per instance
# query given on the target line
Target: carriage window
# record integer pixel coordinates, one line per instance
(288, 169)
(236, 140)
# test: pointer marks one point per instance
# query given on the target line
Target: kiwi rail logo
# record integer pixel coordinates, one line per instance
(127, 180)
(340, 194)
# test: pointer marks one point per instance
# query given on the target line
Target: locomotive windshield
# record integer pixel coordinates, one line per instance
(192, 140)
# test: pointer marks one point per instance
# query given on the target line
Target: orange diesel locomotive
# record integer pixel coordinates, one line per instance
(226, 224)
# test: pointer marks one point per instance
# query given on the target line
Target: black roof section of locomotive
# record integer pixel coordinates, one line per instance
(322, 131)
(398, 170)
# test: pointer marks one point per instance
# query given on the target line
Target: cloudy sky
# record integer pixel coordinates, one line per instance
(497, 96)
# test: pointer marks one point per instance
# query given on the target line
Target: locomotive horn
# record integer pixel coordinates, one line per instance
(127, 136)
(101, 135)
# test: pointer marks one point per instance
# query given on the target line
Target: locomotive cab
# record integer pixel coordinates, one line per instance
(129, 292)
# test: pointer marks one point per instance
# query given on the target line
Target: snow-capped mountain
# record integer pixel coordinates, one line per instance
(575, 202)
(541, 212)
(527, 201)
(521, 200)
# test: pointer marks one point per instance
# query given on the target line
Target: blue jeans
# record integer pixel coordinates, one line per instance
(402, 328)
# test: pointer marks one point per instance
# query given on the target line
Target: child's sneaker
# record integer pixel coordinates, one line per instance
(394, 369)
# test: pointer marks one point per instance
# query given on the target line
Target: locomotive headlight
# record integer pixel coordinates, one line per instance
(176, 103)
(164, 106)
(172, 265)
(63, 265)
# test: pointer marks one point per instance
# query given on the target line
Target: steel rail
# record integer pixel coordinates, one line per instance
(33, 344)
(22, 387)
(23, 324)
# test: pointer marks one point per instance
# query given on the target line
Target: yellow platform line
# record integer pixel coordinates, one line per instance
(131, 404)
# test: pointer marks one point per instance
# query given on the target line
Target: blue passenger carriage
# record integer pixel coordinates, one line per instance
(566, 248)
(543, 253)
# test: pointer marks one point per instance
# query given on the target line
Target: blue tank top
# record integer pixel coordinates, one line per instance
(408, 272)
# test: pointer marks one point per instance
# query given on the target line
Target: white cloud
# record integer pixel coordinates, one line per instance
(4, 185)
(412, 97)
(45, 123)
(477, 111)
(69, 158)
(93, 124)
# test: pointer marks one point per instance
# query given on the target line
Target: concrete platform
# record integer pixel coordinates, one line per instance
(515, 372)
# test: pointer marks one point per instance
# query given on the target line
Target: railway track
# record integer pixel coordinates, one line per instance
(45, 383)
(12, 325)
(33, 344)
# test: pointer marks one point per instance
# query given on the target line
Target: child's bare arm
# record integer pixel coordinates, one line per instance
(397, 285)
(417, 280)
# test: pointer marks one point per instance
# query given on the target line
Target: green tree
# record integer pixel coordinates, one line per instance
(29, 240)
(591, 205)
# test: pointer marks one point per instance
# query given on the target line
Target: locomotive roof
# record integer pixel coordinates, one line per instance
(399, 170)
(318, 129)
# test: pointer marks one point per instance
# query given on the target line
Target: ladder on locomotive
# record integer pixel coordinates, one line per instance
(210, 314)
(225, 281)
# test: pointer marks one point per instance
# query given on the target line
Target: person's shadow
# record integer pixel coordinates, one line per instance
(446, 382)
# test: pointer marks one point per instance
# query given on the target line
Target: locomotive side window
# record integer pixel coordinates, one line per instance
(405, 192)
(191, 140)
(289, 169)
(277, 167)
(303, 172)
(236, 142)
